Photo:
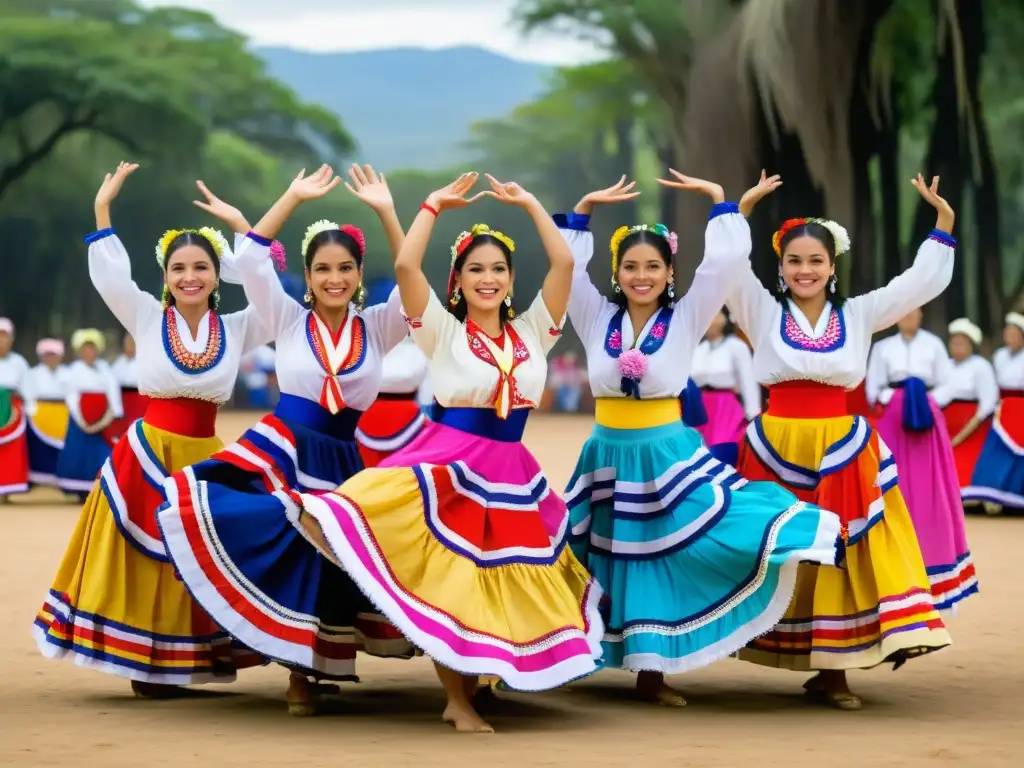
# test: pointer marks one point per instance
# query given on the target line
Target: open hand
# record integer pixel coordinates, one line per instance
(764, 187)
(930, 193)
(509, 192)
(370, 187)
(305, 188)
(221, 210)
(454, 195)
(617, 193)
(691, 184)
(112, 182)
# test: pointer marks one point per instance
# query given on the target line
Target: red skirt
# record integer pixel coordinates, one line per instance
(390, 424)
(14, 451)
(134, 405)
(957, 414)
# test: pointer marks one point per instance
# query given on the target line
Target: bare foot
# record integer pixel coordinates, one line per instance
(300, 696)
(832, 689)
(156, 690)
(651, 686)
(465, 719)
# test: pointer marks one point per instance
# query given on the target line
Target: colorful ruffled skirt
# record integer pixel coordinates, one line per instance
(47, 429)
(461, 542)
(231, 528)
(84, 453)
(694, 561)
(13, 445)
(390, 424)
(726, 421)
(999, 475)
(116, 604)
(966, 454)
(877, 605)
(916, 434)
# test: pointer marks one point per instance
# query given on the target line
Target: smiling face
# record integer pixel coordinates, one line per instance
(960, 347)
(191, 276)
(1013, 337)
(643, 275)
(333, 276)
(485, 277)
(806, 267)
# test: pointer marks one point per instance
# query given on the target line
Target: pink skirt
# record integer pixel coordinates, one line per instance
(929, 482)
(726, 424)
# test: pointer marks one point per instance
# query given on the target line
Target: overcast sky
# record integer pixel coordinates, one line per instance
(357, 25)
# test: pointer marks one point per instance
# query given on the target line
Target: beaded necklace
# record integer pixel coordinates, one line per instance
(193, 363)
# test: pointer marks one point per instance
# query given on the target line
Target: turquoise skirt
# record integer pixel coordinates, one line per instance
(695, 561)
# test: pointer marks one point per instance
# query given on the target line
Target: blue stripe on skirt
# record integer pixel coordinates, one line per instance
(695, 561)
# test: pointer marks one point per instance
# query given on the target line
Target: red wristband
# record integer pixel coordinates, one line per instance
(429, 207)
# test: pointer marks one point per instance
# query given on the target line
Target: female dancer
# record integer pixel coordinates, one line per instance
(694, 562)
(809, 348)
(93, 397)
(723, 369)
(395, 417)
(116, 604)
(901, 370)
(13, 440)
(998, 480)
(458, 537)
(47, 412)
(133, 402)
(230, 526)
(968, 398)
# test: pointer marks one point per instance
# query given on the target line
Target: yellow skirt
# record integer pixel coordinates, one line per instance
(116, 604)
(875, 608)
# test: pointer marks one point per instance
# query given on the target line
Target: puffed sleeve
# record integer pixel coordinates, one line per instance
(436, 327)
(385, 322)
(925, 279)
(586, 304)
(726, 256)
(986, 387)
(263, 289)
(538, 323)
(110, 270)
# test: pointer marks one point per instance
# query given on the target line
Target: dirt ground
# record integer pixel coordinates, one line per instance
(962, 706)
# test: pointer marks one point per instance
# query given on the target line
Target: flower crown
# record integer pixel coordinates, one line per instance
(84, 336)
(464, 240)
(623, 232)
(839, 234)
(213, 236)
(324, 225)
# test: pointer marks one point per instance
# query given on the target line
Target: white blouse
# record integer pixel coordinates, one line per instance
(973, 379)
(1009, 368)
(895, 359)
(460, 371)
(46, 385)
(98, 378)
(835, 350)
(728, 364)
(405, 368)
(126, 371)
(141, 314)
(726, 253)
(356, 355)
(14, 373)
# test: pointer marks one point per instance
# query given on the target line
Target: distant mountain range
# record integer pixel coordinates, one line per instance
(406, 107)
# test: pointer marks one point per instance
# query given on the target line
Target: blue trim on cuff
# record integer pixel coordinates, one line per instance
(721, 208)
(259, 239)
(98, 235)
(578, 222)
(943, 237)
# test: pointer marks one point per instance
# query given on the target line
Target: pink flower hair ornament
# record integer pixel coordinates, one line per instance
(278, 256)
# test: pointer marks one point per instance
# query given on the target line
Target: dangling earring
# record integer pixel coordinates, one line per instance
(215, 300)
(832, 283)
(616, 287)
(360, 295)
(782, 281)
(308, 295)
(508, 305)
(165, 297)
(456, 296)
(671, 291)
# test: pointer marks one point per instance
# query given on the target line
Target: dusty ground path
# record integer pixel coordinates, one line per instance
(963, 706)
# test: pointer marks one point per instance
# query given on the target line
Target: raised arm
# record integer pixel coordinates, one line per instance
(412, 283)
(110, 268)
(558, 281)
(373, 190)
(926, 278)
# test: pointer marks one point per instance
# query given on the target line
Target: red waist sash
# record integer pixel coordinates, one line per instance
(182, 416)
(806, 400)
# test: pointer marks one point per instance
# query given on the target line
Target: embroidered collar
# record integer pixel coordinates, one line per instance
(193, 363)
(354, 328)
(506, 353)
(652, 341)
(796, 337)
